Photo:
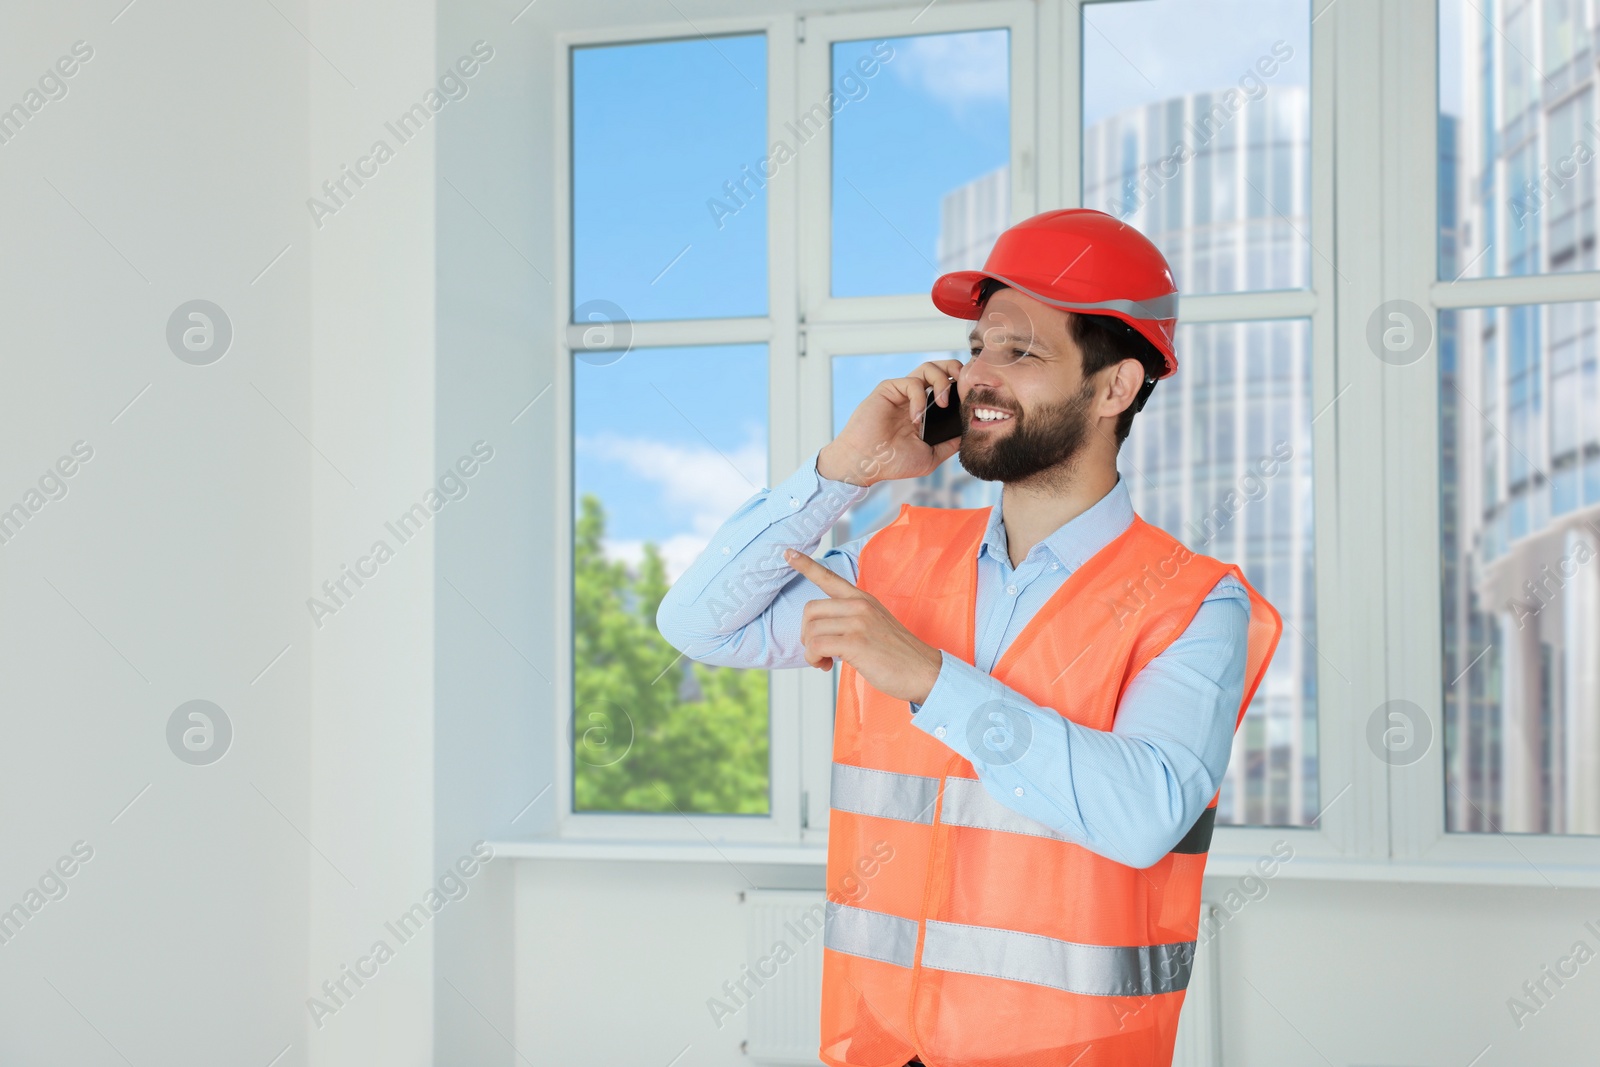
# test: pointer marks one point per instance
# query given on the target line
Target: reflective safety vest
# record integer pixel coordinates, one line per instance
(956, 929)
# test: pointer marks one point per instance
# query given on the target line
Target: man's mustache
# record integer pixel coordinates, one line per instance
(988, 400)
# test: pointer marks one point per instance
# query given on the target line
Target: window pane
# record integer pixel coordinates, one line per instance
(669, 442)
(1517, 140)
(1197, 132)
(1519, 491)
(949, 486)
(1221, 459)
(669, 216)
(921, 147)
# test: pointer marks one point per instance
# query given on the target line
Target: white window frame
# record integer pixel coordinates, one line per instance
(1377, 549)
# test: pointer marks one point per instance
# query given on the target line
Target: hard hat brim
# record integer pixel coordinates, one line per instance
(956, 294)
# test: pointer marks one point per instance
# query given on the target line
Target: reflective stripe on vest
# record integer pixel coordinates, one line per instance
(968, 803)
(884, 794)
(911, 798)
(1088, 970)
(869, 933)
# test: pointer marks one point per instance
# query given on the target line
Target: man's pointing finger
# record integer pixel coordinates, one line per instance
(833, 584)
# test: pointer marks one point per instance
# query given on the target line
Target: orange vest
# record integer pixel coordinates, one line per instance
(958, 930)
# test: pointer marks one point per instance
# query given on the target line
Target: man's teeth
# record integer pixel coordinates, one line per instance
(990, 416)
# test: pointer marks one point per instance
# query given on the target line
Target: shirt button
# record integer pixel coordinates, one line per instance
(1055, 566)
(938, 731)
(1011, 589)
(726, 549)
(793, 503)
(1018, 790)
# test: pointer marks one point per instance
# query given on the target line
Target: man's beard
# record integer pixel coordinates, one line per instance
(1049, 437)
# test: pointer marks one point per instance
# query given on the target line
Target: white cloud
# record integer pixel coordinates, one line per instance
(696, 481)
(677, 552)
(698, 478)
(1135, 54)
(956, 68)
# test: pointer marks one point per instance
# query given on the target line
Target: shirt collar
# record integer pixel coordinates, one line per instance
(1075, 540)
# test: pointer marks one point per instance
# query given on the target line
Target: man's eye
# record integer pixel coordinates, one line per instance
(1020, 352)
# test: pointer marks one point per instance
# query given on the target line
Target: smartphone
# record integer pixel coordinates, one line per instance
(942, 423)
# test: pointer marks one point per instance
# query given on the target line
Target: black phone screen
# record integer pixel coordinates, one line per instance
(941, 423)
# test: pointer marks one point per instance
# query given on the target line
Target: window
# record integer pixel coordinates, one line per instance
(1197, 132)
(1220, 458)
(1516, 101)
(661, 458)
(669, 222)
(904, 204)
(668, 216)
(1519, 488)
(1519, 421)
(736, 287)
(1199, 136)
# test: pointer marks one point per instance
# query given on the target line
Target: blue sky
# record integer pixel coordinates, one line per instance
(1139, 51)
(658, 128)
(935, 117)
(673, 441)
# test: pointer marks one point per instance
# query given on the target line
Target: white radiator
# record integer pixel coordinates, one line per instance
(1199, 1041)
(784, 1012)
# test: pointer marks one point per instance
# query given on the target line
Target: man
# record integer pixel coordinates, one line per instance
(1036, 700)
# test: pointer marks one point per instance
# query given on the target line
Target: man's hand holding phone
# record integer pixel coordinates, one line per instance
(884, 438)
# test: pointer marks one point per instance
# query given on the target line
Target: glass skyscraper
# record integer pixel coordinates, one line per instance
(1520, 427)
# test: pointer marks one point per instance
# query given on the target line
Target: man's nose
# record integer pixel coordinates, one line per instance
(982, 371)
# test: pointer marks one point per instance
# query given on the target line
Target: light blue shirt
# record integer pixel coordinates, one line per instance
(1129, 794)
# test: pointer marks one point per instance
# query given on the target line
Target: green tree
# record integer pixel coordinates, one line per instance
(637, 744)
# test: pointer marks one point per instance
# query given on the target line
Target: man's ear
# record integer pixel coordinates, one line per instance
(1124, 385)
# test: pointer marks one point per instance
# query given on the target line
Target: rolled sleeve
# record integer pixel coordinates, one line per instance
(738, 604)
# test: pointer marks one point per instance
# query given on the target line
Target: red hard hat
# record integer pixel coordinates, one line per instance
(1078, 259)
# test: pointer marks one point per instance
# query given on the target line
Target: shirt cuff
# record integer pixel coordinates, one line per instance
(803, 487)
(963, 709)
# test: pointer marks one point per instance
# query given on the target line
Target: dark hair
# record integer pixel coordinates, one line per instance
(1105, 341)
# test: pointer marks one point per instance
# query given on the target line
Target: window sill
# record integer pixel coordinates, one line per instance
(575, 848)
(1219, 865)
(1467, 873)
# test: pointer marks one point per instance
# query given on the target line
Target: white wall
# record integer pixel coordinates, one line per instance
(176, 566)
(492, 755)
(372, 394)
(1369, 973)
(179, 562)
